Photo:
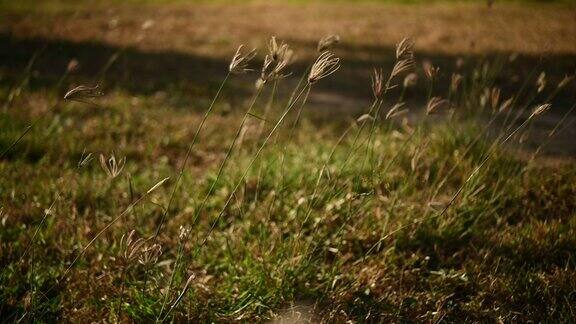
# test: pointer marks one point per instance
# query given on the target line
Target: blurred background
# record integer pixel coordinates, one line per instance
(179, 50)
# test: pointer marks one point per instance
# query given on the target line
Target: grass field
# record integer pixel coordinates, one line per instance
(187, 189)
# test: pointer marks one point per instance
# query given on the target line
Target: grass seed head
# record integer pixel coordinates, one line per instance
(84, 159)
(131, 248)
(240, 61)
(259, 83)
(328, 42)
(72, 66)
(276, 62)
(506, 104)
(377, 83)
(430, 70)
(565, 81)
(364, 117)
(541, 82)
(402, 66)
(111, 166)
(404, 49)
(83, 93)
(455, 82)
(434, 104)
(396, 110)
(157, 185)
(276, 51)
(539, 110)
(150, 254)
(494, 97)
(326, 64)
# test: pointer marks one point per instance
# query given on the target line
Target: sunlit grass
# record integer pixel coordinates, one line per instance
(376, 218)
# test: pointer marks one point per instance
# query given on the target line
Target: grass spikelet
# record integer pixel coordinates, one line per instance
(157, 185)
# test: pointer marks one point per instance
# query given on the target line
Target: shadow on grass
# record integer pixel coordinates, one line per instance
(140, 72)
(187, 78)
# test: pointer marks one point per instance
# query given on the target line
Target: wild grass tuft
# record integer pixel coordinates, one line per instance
(408, 212)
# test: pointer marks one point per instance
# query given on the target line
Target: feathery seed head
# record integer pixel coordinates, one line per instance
(275, 62)
(72, 66)
(275, 50)
(396, 110)
(328, 42)
(430, 70)
(490, 98)
(506, 104)
(565, 81)
(84, 159)
(326, 64)
(434, 104)
(404, 49)
(364, 118)
(112, 167)
(495, 97)
(377, 83)
(150, 254)
(279, 52)
(402, 66)
(259, 83)
(240, 61)
(137, 249)
(83, 93)
(540, 110)
(131, 248)
(541, 82)
(455, 82)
